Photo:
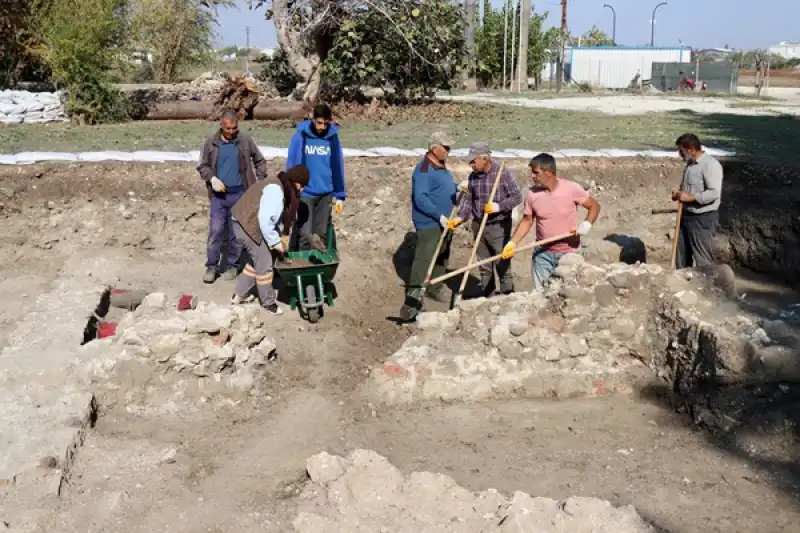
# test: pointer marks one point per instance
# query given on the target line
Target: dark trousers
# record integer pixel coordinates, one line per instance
(495, 236)
(427, 240)
(695, 240)
(220, 230)
(313, 218)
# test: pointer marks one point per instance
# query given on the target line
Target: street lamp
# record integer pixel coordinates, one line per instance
(613, 24)
(653, 24)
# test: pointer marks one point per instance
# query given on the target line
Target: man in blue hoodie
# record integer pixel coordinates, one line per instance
(316, 146)
(433, 195)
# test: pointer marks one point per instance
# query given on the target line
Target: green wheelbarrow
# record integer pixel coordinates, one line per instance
(308, 277)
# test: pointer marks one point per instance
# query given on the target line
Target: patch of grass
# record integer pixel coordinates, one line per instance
(503, 126)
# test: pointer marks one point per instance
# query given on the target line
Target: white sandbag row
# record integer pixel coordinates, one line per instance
(145, 156)
(24, 107)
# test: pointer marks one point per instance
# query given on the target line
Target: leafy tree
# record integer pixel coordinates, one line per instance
(396, 49)
(308, 29)
(594, 37)
(81, 41)
(18, 28)
(490, 39)
(278, 70)
(178, 34)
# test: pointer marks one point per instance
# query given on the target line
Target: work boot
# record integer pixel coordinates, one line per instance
(274, 309)
(317, 243)
(412, 305)
(210, 276)
(408, 313)
(230, 274)
(238, 300)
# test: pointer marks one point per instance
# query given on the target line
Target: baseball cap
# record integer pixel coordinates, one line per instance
(477, 149)
(439, 139)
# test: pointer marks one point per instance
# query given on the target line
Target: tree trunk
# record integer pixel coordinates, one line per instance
(305, 61)
(14, 74)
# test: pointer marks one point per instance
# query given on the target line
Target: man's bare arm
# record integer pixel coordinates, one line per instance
(522, 230)
(593, 208)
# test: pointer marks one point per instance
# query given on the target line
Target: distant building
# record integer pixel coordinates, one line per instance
(786, 50)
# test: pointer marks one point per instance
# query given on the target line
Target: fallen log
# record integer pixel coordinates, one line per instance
(194, 110)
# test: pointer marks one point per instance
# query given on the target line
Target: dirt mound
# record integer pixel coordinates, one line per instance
(365, 493)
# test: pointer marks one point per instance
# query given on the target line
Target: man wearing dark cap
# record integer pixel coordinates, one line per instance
(267, 205)
(433, 194)
(498, 224)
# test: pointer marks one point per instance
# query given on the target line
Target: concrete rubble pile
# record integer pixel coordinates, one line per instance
(594, 330)
(364, 493)
(24, 107)
(223, 346)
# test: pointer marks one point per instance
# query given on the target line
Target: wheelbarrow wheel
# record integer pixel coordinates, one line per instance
(311, 299)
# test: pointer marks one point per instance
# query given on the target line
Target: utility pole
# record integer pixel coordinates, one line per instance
(524, 21)
(247, 44)
(561, 45)
(506, 9)
(471, 14)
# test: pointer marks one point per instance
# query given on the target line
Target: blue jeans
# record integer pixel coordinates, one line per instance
(220, 230)
(543, 264)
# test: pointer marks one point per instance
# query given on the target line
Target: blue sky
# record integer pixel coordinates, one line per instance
(699, 23)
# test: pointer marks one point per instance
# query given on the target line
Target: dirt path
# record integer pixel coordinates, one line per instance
(210, 466)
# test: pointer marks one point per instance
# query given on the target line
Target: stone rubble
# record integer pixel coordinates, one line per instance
(594, 330)
(228, 345)
(364, 493)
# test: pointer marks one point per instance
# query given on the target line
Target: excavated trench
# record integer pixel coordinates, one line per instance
(125, 216)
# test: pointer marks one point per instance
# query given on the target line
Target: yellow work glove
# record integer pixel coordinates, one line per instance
(338, 206)
(285, 242)
(491, 207)
(453, 223)
(508, 250)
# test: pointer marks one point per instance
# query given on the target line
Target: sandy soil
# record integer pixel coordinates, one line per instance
(235, 467)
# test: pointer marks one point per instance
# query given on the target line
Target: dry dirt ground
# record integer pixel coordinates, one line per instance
(234, 467)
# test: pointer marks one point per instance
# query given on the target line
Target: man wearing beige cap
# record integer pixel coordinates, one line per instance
(433, 195)
(498, 224)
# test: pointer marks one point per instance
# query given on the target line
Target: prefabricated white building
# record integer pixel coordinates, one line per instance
(613, 67)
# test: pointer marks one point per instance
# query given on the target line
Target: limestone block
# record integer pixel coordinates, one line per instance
(324, 468)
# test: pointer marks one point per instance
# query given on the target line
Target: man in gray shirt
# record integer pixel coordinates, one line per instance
(700, 193)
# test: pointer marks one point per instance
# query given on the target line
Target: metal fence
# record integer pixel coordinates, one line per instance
(718, 77)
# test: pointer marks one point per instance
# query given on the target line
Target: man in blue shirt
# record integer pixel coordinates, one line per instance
(316, 146)
(433, 195)
(226, 164)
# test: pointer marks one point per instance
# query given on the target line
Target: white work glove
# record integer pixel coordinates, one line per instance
(493, 207)
(584, 227)
(444, 221)
(217, 185)
(463, 186)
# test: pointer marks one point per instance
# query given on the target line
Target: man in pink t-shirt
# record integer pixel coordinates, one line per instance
(553, 204)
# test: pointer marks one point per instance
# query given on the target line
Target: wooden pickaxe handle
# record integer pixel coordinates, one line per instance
(497, 257)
